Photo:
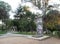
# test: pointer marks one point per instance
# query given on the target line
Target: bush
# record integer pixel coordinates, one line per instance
(57, 34)
(25, 25)
(26, 19)
(2, 28)
(57, 27)
(32, 26)
(52, 20)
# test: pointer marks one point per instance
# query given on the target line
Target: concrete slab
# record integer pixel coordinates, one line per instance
(39, 38)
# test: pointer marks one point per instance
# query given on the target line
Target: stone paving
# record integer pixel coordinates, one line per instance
(22, 40)
(26, 36)
(13, 39)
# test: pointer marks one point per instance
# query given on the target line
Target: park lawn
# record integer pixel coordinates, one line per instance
(26, 33)
(2, 32)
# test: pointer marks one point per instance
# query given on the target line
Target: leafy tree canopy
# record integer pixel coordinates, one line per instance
(4, 10)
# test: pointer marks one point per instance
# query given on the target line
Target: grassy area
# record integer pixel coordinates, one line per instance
(26, 33)
(2, 32)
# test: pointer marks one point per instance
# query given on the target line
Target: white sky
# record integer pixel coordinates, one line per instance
(32, 8)
(14, 4)
(52, 2)
(55, 3)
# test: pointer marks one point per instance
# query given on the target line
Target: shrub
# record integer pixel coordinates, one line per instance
(52, 20)
(57, 34)
(25, 25)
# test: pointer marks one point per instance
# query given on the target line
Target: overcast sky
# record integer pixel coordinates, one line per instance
(14, 4)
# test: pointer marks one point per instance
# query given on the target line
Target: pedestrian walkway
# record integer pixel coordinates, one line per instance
(20, 35)
(23, 40)
(10, 38)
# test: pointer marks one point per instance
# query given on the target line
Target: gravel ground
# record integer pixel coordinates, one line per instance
(23, 40)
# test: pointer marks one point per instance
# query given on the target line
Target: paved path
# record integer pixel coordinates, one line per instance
(24, 40)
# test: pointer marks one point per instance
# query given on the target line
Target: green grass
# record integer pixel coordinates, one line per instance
(26, 33)
(2, 32)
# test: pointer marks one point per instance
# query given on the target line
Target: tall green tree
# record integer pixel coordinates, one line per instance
(26, 19)
(4, 10)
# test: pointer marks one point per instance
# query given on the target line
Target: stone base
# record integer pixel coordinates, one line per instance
(40, 38)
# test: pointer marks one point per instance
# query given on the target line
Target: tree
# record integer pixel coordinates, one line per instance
(26, 19)
(4, 10)
(37, 3)
(51, 20)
